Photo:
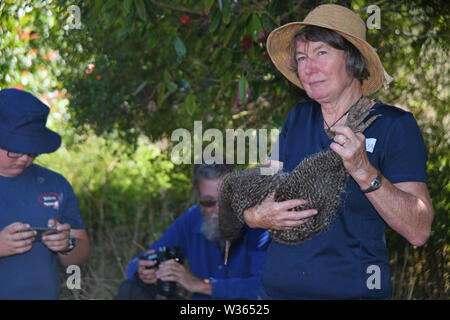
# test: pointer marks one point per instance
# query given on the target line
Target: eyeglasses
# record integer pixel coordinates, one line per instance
(208, 203)
(16, 155)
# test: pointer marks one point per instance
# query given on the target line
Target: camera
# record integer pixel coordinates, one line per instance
(163, 253)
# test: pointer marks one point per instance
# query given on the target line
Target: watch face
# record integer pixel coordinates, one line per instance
(376, 183)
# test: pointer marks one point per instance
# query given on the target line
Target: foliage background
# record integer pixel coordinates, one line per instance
(139, 69)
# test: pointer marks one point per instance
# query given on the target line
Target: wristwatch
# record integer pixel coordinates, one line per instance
(71, 245)
(375, 184)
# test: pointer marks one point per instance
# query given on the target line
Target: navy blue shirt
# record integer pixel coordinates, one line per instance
(239, 279)
(34, 197)
(350, 259)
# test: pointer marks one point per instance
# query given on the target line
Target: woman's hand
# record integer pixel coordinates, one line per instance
(275, 215)
(351, 147)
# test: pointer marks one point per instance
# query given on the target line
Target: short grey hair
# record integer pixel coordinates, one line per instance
(209, 171)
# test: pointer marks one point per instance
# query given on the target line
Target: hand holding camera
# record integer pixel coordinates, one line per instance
(147, 268)
(154, 263)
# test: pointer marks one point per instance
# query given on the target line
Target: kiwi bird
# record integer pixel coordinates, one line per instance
(319, 179)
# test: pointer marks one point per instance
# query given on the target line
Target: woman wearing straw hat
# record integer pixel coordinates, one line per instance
(328, 57)
(33, 197)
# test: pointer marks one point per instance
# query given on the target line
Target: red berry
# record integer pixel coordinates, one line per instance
(185, 19)
(262, 36)
(247, 43)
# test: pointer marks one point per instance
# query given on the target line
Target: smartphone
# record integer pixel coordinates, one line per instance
(43, 232)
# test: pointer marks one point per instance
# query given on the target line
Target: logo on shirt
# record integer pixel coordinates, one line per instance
(49, 200)
(370, 144)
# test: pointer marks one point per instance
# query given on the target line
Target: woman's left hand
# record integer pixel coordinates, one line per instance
(351, 147)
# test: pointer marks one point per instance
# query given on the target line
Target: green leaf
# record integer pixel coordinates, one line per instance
(153, 40)
(215, 20)
(140, 87)
(161, 94)
(243, 90)
(180, 49)
(255, 27)
(230, 31)
(266, 22)
(171, 86)
(150, 8)
(108, 5)
(190, 104)
(141, 10)
(226, 12)
(208, 5)
(127, 5)
(166, 76)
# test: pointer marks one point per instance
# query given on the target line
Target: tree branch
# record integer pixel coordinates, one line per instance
(170, 7)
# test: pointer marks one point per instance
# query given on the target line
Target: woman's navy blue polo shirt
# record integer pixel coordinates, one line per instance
(350, 259)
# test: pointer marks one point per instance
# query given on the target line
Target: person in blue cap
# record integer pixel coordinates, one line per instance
(33, 197)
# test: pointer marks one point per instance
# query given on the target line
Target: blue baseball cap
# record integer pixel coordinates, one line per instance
(23, 120)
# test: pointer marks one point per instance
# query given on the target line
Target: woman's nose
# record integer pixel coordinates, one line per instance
(310, 66)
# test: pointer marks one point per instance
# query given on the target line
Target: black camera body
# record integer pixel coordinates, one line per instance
(163, 253)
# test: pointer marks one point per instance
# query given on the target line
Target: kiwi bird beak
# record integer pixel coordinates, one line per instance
(227, 250)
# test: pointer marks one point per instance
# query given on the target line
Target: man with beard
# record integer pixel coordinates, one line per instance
(196, 234)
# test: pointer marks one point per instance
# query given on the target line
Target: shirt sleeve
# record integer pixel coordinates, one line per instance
(405, 156)
(70, 209)
(244, 287)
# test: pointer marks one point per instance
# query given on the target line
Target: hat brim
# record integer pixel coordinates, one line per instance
(46, 141)
(278, 47)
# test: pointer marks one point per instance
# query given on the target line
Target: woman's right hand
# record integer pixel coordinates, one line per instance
(16, 238)
(275, 215)
(145, 273)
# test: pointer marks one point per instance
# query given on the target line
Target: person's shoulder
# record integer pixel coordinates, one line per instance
(390, 111)
(46, 173)
(392, 117)
(193, 210)
(192, 214)
(305, 106)
(303, 110)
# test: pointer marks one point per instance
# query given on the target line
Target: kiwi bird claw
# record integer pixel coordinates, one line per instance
(320, 179)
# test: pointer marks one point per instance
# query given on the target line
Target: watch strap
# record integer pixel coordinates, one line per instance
(71, 245)
(375, 184)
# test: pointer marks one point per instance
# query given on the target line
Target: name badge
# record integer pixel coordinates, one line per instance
(370, 144)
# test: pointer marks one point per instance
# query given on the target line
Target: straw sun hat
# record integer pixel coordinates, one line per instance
(334, 17)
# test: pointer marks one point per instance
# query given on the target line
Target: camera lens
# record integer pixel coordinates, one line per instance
(166, 288)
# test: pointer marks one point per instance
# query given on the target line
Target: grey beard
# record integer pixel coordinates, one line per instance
(210, 229)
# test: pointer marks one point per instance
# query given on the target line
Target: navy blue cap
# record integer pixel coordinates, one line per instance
(23, 120)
